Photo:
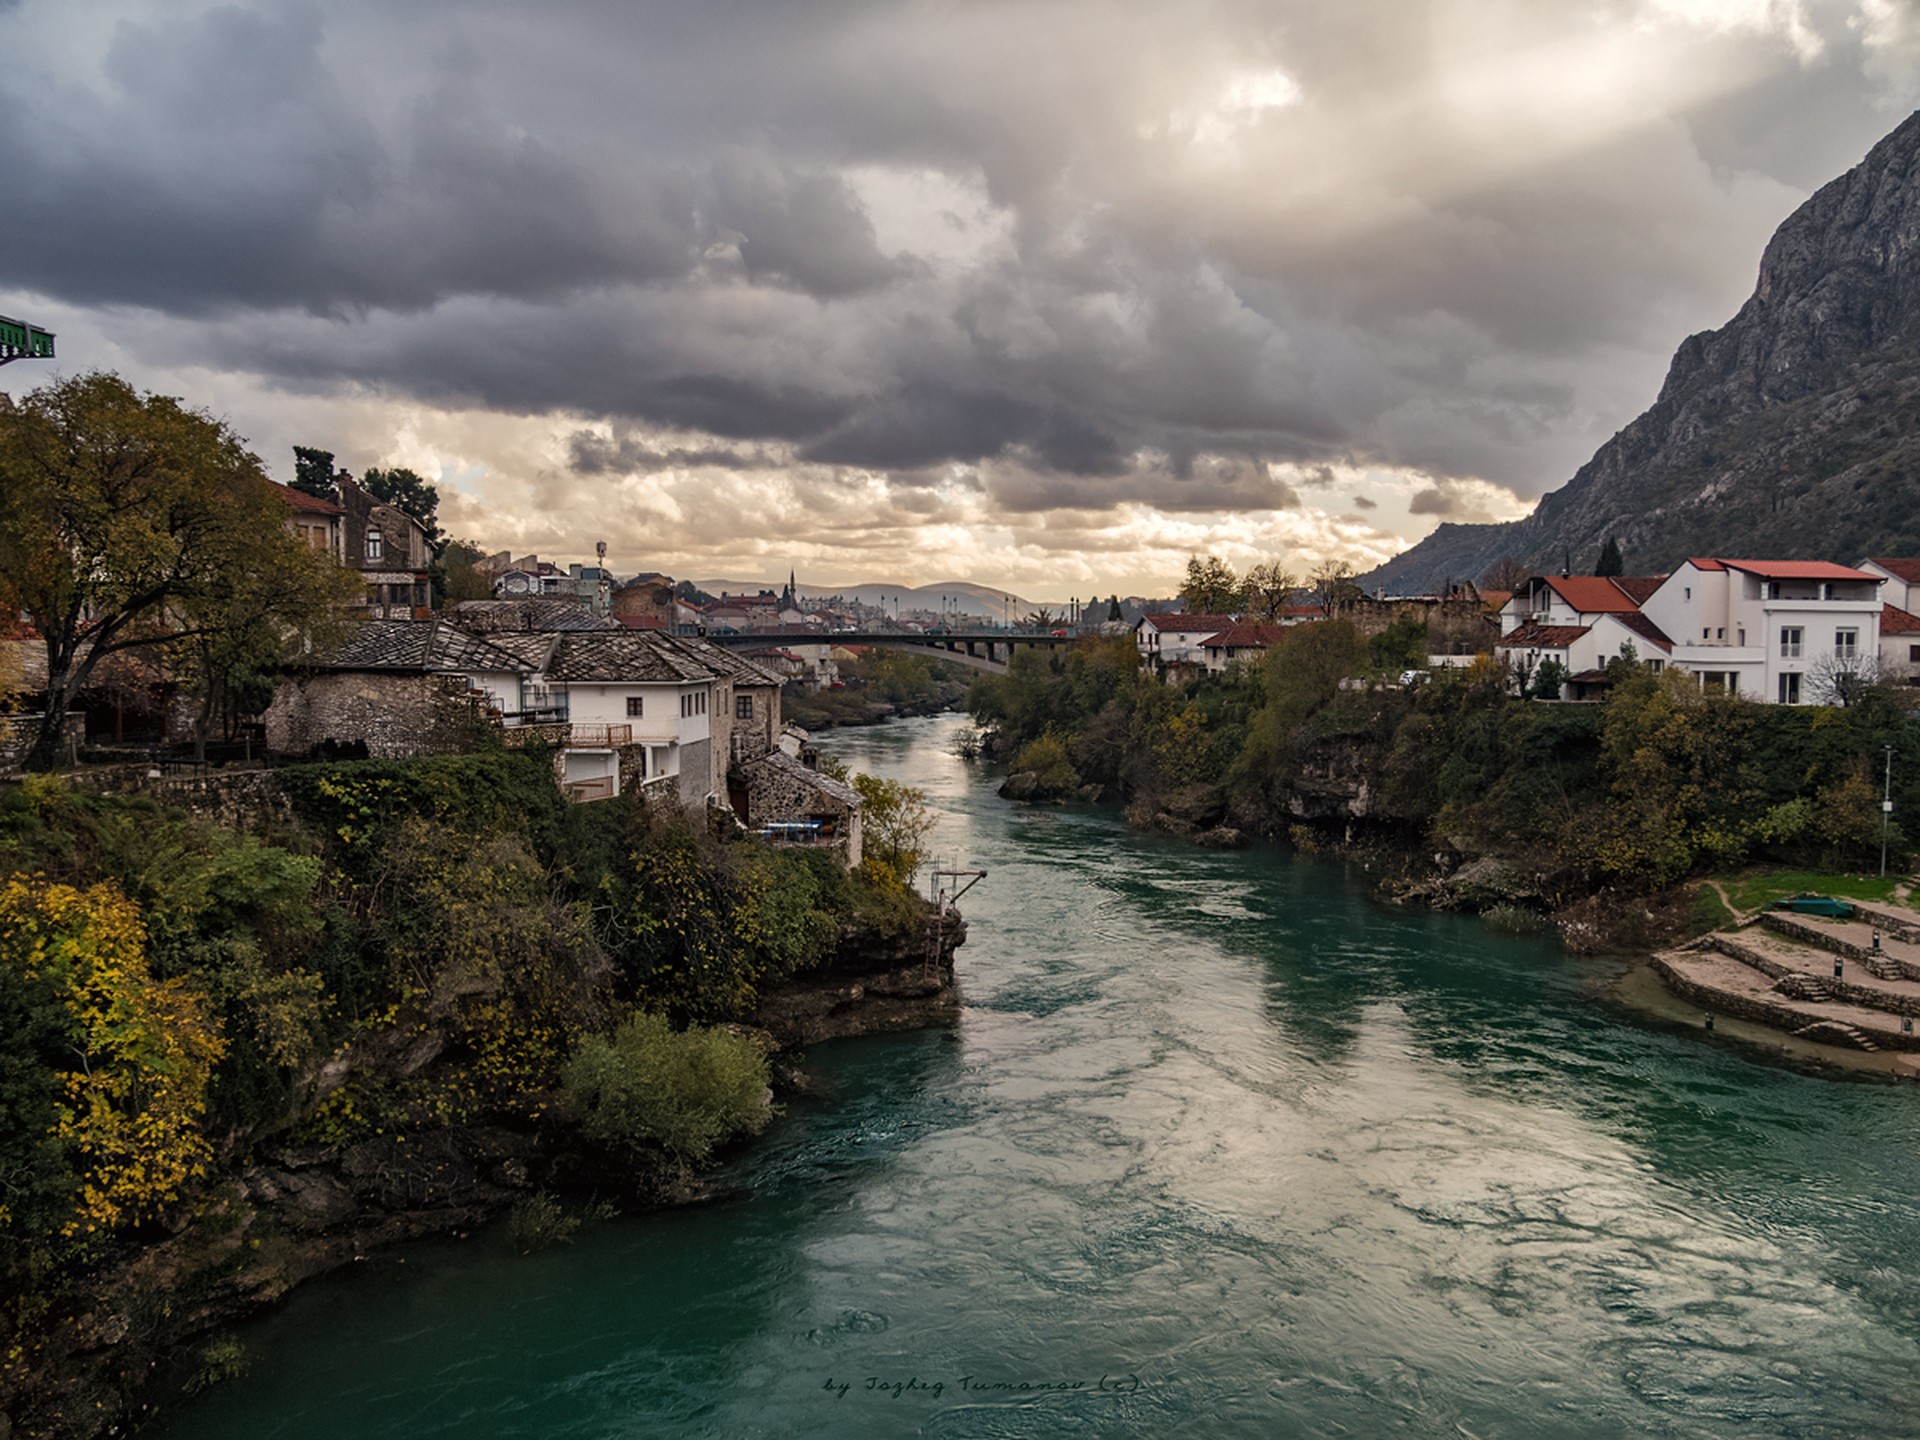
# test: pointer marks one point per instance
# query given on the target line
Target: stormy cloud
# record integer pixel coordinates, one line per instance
(979, 279)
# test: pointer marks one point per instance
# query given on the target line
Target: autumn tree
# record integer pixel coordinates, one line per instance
(1332, 584)
(1211, 587)
(133, 521)
(126, 1059)
(1506, 573)
(1269, 588)
(895, 821)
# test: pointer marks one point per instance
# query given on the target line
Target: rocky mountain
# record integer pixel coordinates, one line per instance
(1793, 430)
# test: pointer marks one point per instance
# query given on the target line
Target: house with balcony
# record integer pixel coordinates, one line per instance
(1781, 631)
(1172, 640)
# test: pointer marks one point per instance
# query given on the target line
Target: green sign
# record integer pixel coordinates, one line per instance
(21, 341)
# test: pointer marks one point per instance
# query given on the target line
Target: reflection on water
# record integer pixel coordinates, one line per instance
(1219, 1148)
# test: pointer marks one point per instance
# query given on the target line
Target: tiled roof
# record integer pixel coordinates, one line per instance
(1639, 587)
(429, 646)
(1189, 624)
(1495, 598)
(1904, 568)
(1543, 637)
(551, 613)
(1798, 570)
(826, 784)
(1592, 594)
(1895, 621)
(1699, 563)
(1244, 637)
(300, 500)
(1646, 629)
(622, 656)
(722, 661)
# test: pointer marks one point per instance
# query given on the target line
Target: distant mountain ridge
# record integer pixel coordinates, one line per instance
(1791, 431)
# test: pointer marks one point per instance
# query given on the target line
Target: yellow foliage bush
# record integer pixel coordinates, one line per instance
(141, 1051)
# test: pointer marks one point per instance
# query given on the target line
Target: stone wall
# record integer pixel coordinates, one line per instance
(778, 787)
(1454, 627)
(393, 715)
(17, 732)
(237, 798)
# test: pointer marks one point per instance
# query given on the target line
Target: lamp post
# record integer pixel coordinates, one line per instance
(1886, 808)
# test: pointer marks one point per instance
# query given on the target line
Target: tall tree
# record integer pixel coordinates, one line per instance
(1332, 584)
(1211, 587)
(1611, 562)
(1505, 573)
(1270, 587)
(129, 520)
(313, 473)
(1113, 610)
(404, 490)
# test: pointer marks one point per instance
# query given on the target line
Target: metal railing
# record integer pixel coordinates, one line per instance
(599, 788)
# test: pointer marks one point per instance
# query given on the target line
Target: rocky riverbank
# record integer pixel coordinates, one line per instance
(148, 1324)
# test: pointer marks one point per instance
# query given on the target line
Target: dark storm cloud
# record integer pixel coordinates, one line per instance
(1304, 233)
(591, 453)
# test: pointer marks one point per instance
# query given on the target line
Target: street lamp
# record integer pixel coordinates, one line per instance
(1886, 808)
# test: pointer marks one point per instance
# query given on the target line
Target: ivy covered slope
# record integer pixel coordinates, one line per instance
(425, 989)
(1485, 797)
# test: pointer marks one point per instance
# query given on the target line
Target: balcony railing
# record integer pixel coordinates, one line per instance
(588, 736)
(601, 787)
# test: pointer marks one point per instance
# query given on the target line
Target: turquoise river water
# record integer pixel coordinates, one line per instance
(1219, 1148)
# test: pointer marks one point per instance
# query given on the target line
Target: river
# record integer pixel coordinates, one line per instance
(1219, 1148)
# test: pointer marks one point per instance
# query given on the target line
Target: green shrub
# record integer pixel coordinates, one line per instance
(686, 1091)
(540, 1223)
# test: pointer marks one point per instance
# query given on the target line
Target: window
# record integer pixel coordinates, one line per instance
(1688, 592)
(1846, 644)
(1913, 654)
(1706, 632)
(374, 542)
(1656, 666)
(1789, 643)
(636, 706)
(743, 707)
(1720, 633)
(1790, 688)
(691, 705)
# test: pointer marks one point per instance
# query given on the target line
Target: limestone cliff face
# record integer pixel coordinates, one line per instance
(1793, 430)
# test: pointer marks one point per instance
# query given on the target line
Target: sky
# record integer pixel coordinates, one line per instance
(1047, 295)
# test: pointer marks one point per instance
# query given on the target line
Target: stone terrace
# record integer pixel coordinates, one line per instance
(1816, 979)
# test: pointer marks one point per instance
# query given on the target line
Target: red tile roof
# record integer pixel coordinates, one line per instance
(300, 500)
(1645, 629)
(1700, 564)
(1906, 569)
(1191, 624)
(1798, 570)
(1244, 637)
(1592, 594)
(1543, 637)
(1639, 587)
(1895, 621)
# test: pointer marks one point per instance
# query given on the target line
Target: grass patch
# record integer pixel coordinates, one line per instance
(1710, 912)
(1756, 888)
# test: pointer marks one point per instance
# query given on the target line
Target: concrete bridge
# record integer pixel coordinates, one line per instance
(977, 649)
